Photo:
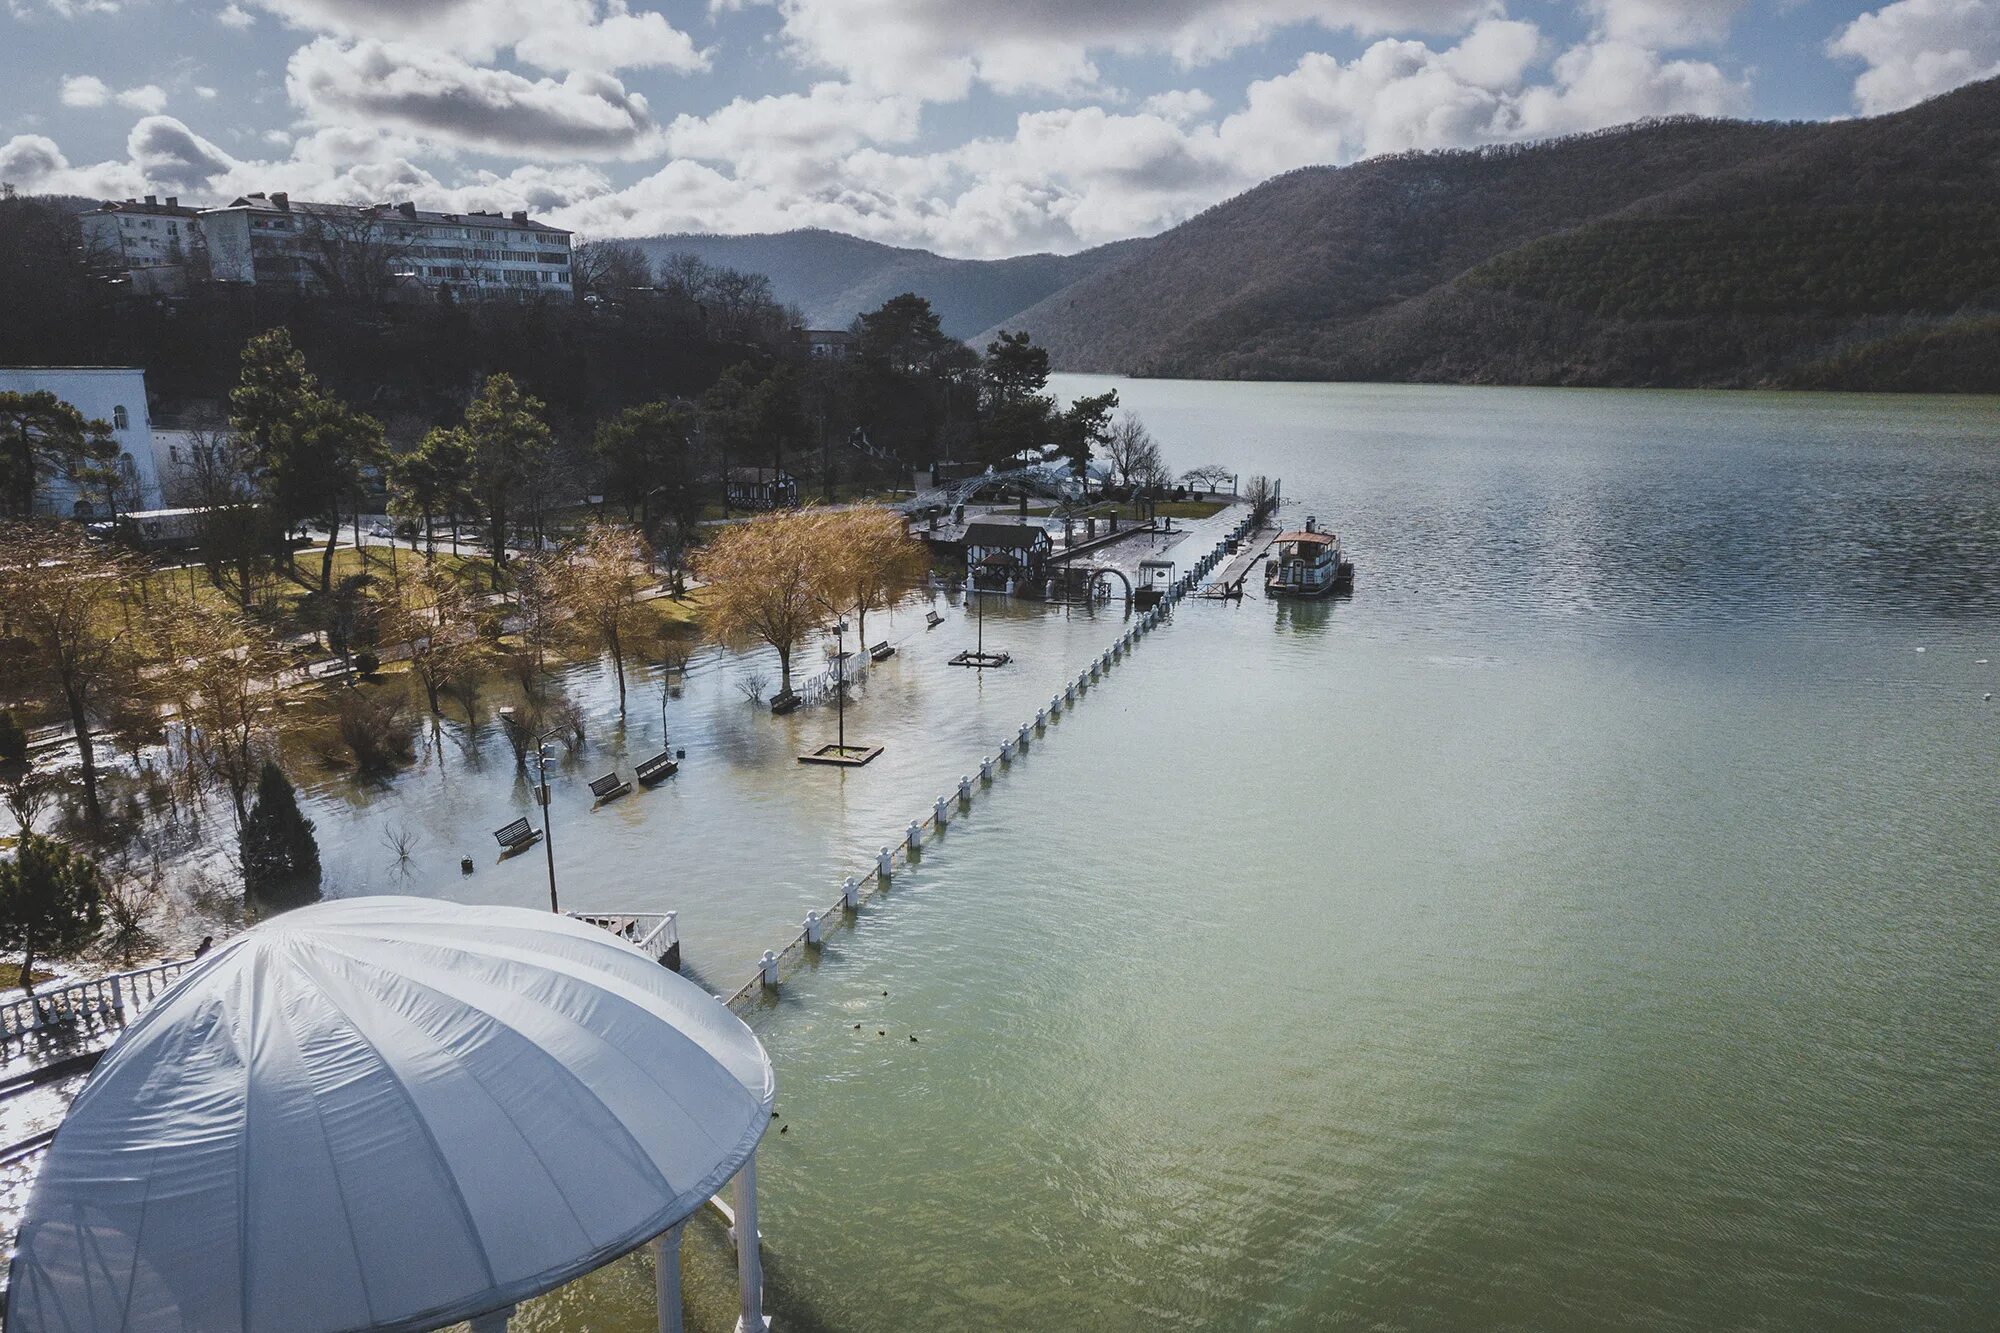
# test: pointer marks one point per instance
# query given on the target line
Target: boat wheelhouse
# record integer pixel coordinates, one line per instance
(1307, 563)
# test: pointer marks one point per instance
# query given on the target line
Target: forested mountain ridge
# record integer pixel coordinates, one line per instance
(1860, 254)
(832, 277)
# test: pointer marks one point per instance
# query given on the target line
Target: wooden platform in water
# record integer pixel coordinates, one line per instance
(1230, 581)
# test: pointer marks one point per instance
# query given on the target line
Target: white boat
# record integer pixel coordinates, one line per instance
(1307, 563)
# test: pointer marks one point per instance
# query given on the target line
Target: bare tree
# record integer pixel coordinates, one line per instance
(60, 596)
(601, 581)
(609, 268)
(354, 255)
(1207, 477)
(1130, 449)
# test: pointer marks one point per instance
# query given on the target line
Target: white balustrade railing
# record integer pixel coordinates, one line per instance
(83, 1007)
(654, 933)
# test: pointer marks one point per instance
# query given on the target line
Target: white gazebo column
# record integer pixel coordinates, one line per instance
(667, 1277)
(749, 1262)
(493, 1321)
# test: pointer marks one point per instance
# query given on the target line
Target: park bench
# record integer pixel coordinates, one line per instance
(788, 702)
(608, 786)
(933, 620)
(881, 650)
(516, 836)
(661, 765)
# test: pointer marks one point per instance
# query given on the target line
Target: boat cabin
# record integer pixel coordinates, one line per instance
(1306, 563)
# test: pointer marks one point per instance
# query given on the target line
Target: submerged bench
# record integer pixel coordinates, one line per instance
(515, 836)
(881, 650)
(933, 620)
(660, 766)
(609, 785)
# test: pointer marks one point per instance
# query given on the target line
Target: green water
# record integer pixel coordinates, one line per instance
(1591, 924)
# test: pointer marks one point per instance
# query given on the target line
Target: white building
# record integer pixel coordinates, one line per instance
(115, 395)
(142, 233)
(270, 241)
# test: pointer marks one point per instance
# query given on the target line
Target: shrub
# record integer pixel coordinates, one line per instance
(279, 852)
(367, 663)
(51, 901)
(373, 732)
(13, 740)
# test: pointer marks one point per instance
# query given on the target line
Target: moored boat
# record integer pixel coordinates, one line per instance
(1307, 563)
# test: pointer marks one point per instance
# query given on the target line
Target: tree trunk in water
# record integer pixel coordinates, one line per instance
(618, 665)
(28, 966)
(784, 668)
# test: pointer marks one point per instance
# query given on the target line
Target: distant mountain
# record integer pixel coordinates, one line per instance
(1859, 254)
(833, 277)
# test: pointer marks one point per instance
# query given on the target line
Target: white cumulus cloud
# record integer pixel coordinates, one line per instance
(85, 90)
(1916, 49)
(454, 102)
(557, 35)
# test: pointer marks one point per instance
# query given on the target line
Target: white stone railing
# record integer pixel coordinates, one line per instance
(82, 1007)
(657, 934)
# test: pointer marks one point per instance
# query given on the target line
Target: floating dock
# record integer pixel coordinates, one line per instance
(1229, 583)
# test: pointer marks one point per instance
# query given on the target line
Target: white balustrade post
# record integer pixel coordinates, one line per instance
(913, 836)
(986, 770)
(850, 892)
(667, 1278)
(767, 969)
(937, 812)
(812, 928)
(965, 789)
(749, 1262)
(884, 859)
(1026, 731)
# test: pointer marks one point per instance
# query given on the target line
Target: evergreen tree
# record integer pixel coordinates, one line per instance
(51, 902)
(279, 853)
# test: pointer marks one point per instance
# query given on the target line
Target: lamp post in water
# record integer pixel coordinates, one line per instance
(840, 684)
(548, 824)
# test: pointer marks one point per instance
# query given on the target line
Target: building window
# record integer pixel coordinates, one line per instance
(119, 421)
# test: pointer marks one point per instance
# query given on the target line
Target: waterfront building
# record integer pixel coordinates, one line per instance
(377, 250)
(115, 395)
(1004, 555)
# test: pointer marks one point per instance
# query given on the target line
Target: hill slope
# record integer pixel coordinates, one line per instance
(1673, 253)
(833, 277)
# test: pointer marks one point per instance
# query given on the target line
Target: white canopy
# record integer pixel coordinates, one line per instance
(386, 1113)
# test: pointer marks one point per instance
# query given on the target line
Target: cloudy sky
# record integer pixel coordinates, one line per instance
(973, 127)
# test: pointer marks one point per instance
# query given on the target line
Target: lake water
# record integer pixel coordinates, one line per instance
(1591, 923)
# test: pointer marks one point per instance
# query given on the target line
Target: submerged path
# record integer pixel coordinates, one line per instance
(906, 849)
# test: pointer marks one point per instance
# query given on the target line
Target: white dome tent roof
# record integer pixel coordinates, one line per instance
(386, 1113)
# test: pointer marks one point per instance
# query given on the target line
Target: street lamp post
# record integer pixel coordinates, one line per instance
(840, 682)
(548, 823)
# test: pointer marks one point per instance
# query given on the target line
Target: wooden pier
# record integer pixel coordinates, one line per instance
(1229, 583)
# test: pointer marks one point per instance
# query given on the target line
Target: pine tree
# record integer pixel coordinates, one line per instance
(51, 902)
(279, 853)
